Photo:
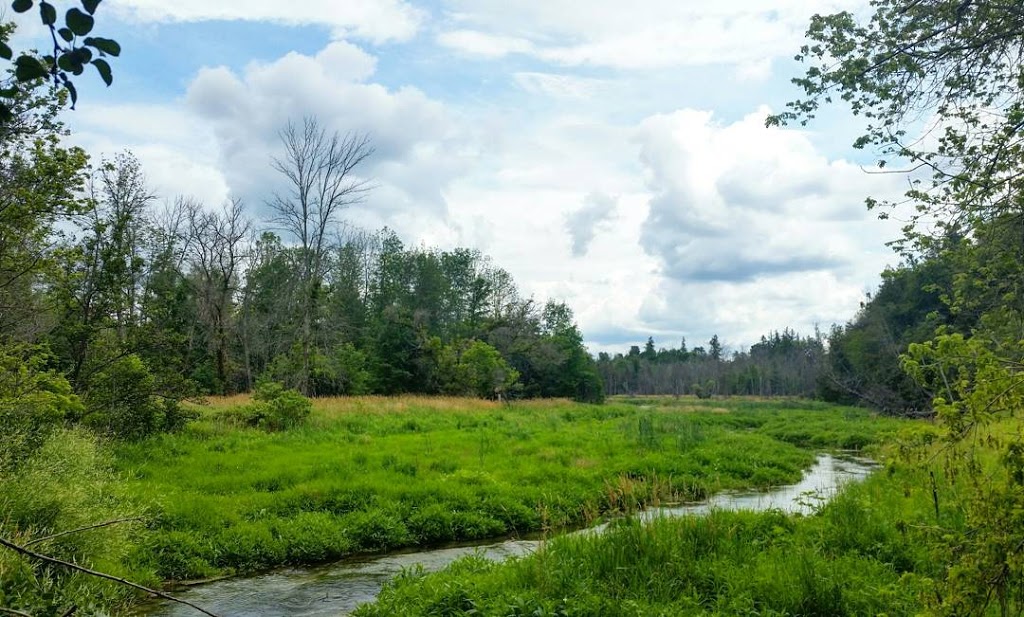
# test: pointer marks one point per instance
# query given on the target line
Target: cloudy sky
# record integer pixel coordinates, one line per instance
(609, 154)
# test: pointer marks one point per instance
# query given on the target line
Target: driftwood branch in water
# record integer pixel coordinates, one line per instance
(45, 558)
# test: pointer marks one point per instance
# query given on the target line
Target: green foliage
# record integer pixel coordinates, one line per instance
(348, 372)
(65, 485)
(863, 361)
(780, 364)
(953, 61)
(474, 368)
(122, 401)
(40, 182)
(34, 401)
(275, 408)
(73, 50)
(372, 473)
(959, 64)
(851, 559)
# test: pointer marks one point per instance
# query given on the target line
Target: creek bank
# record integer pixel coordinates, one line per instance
(338, 588)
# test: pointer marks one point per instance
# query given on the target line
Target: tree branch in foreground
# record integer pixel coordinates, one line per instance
(81, 529)
(34, 555)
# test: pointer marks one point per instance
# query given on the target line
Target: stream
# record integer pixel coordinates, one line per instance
(336, 589)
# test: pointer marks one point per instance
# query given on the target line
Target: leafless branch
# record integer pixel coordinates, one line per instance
(81, 529)
(53, 560)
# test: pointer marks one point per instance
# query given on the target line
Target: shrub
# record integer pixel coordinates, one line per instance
(274, 408)
(33, 402)
(123, 401)
(474, 368)
(65, 485)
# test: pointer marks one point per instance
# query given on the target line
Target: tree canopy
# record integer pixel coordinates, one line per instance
(940, 85)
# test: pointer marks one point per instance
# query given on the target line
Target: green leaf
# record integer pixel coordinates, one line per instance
(66, 34)
(104, 69)
(20, 6)
(48, 13)
(28, 68)
(107, 46)
(69, 62)
(90, 5)
(5, 113)
(71, 91)
(5, 52)
(80, 23)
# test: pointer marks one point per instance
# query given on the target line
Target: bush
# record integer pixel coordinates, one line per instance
(274, 408)
(474, 368)
(34, 401)
(122, 401)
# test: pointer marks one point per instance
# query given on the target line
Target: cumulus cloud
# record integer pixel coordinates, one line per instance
(417, 143)
(738, 202)
(374, 20)
(650, 34)
(753, 226)
(583, 224)
(177, 152)
(717, 224)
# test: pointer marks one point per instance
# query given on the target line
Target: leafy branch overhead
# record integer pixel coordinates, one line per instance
(74, 49)
(938, 83)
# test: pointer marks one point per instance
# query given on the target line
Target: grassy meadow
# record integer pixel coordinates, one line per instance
(899, 543)
(854, 558)
(372, 474)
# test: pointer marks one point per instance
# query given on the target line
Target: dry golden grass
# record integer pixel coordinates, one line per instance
(339, 405)
(328, 407)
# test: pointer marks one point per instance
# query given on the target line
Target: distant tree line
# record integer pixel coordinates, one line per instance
(781, 363)
(860, 362)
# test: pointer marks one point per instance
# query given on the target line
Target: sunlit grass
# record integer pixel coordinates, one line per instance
(375, 473)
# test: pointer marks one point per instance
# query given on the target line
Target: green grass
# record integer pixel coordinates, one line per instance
(67, 484)
(371, 474)
(867, 552)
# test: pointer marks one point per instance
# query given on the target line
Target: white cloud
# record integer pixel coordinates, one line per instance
(742, 313)
(218, 140)
(561, 86)
(584, 223)
(177, 151)
(716, 225)
(646, 34)
(482, 44)
(753, 228)
(373, 20)
(415, 138)
(754, 70)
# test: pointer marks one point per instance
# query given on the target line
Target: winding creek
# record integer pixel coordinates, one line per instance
(338, 588)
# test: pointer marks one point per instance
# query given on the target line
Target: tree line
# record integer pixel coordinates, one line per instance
(138, 303)
(780, 364)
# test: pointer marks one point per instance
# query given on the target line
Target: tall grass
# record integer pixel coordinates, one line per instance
(374, 473)
(67, 484)
(867, 552)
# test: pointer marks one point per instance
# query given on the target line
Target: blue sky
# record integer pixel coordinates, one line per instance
(610, 155)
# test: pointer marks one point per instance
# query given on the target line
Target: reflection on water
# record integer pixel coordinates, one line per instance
(338, 588)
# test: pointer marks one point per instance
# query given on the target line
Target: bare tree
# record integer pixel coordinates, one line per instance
(320, 169)
(217, 249)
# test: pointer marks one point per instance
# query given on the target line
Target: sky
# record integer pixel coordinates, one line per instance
(610, 155)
